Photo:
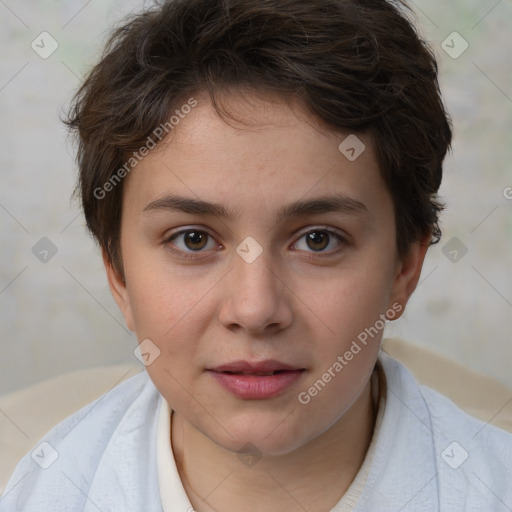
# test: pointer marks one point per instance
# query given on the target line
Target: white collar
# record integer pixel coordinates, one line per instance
(172, 493)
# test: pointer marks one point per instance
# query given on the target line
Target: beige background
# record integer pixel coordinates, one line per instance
(59, 316)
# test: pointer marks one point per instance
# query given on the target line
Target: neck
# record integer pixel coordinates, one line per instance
(313, 477)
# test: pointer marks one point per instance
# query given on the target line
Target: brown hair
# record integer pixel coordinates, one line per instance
(357, 65)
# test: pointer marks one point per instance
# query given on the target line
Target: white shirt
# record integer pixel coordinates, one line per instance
(115, 456)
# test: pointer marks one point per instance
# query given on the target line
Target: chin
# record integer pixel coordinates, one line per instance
(264, 438)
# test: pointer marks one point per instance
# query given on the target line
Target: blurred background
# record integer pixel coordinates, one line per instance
(56, 311)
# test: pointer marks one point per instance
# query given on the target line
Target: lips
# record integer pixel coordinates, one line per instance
(256, 380)
(270, 366)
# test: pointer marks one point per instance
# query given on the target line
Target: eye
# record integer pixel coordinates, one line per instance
(320, 241)
(190, 241)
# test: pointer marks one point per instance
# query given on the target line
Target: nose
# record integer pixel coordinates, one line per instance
(255, 297)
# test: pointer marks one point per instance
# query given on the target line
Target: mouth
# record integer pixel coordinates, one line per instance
(256, 381)
(268, 367)
(258, 374)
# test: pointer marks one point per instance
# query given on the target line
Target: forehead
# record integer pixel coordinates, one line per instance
(276, 154)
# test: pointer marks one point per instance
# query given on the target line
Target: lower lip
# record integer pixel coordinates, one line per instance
(254, 387)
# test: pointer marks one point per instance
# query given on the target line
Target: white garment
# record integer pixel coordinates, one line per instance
(108, 457)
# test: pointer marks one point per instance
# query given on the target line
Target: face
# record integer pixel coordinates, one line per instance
(255, 259)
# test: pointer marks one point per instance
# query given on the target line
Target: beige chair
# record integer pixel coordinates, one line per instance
(26, 415)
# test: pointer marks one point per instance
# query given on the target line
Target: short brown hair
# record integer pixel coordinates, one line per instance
(357, 65)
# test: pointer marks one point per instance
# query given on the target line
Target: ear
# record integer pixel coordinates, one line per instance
(119, 290)
(408, 273)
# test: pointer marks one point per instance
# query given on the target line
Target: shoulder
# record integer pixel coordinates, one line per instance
(468, 450)
(448, 416)
(61, 468)
(106, 411)
(472, 459)
(443, 413)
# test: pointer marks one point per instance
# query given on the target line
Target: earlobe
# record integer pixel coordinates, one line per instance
(119, 290)
(408, 273)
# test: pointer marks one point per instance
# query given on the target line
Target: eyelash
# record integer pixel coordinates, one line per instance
(314, 256)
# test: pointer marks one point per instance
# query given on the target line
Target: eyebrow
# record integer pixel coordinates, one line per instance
(325, 204)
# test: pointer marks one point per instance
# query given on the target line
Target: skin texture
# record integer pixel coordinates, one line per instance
(295, 303)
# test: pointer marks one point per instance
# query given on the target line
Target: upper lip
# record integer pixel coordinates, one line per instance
(254, 367)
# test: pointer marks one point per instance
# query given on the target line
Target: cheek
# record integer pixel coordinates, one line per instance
(173, 309)
(161, 296)
(174, 317)
(350, 301)
(351, 311)
(346, 351)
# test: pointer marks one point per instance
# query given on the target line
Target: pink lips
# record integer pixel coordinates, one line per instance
(256, 381)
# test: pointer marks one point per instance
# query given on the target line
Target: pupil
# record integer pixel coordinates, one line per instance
(195, 240)
(317, 240)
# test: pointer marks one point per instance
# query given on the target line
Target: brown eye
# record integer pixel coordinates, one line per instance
(189, 241)
(317, 240)
(324, 242)
(195, 240)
